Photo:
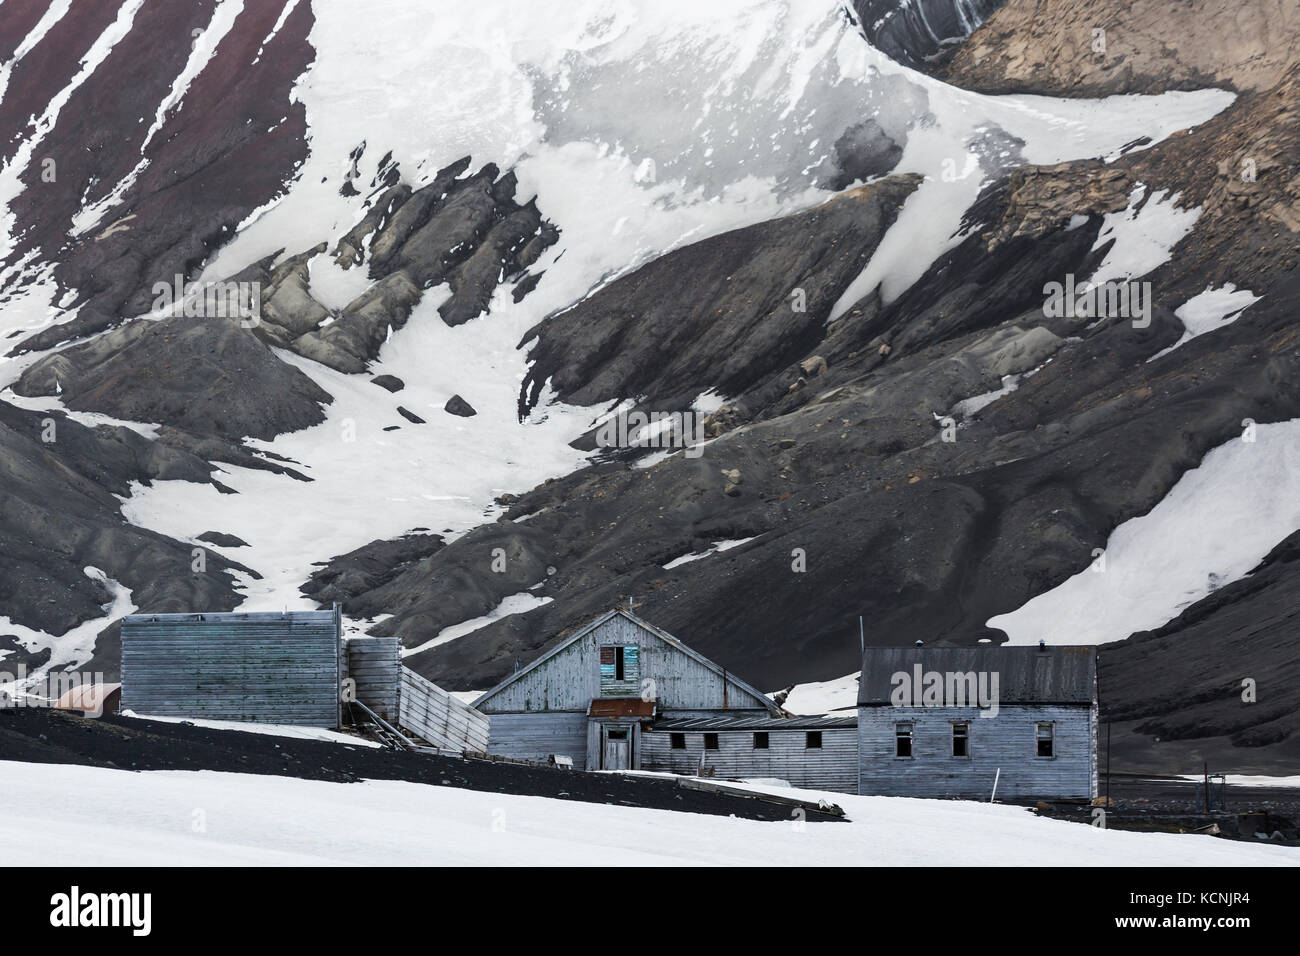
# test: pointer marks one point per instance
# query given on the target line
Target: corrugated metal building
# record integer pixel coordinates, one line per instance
(280, 668)
(950, 721)
(594, 695)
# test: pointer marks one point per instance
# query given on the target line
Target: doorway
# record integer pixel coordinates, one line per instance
(616, 752)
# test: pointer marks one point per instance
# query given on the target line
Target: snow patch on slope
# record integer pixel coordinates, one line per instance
(725, 545)
(1144, 235)
(1215, 525)
(74, 646)
(1210, 310)
(513, 604)
(10, 176)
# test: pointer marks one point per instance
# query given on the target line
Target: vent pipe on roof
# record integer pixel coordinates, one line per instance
(1042, 645)
(920, 643)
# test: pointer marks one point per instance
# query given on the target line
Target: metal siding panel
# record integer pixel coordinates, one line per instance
(1026, 675)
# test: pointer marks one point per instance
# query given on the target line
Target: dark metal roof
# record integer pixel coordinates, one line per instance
(621, 707)
(1026, 675)
(755, 722)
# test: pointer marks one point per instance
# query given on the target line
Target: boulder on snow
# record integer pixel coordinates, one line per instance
(458, 406)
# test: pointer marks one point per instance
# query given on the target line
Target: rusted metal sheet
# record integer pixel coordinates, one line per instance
(625, 707)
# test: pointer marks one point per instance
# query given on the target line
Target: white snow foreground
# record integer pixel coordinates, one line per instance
(65, 815)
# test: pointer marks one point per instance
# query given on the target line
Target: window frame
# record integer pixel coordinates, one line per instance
(1039, 738)
(909, 735)
(676, 740)
(963, 736)
(809, 736)
(766, 741)
(711, 742)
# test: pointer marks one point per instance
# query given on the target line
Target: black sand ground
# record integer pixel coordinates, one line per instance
(129, 744)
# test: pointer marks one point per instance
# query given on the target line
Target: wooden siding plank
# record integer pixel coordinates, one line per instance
(1005, 742)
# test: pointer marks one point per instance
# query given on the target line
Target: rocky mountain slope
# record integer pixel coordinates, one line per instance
(843, 269)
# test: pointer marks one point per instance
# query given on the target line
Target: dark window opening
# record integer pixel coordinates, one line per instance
(677, 741)
(813, 740)
(710, 741)
(760, 740)
(902, 740)
(961, 740)
(616, 735)
(1046, 740)
(619, 664)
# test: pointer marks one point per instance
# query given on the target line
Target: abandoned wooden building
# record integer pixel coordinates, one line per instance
(281, 668)
(622, 694)
(962, 721)
(291, 667)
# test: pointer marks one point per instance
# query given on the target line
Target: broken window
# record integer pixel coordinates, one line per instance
(760, 740)
(710, 741)
(1046, 740)
(813, 740)
(619, 670)
(902, 740)
(677, 741)
(961, 740)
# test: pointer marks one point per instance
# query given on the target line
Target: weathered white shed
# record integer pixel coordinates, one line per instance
(590, 696)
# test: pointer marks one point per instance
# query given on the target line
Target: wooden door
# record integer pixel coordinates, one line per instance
(617, 750)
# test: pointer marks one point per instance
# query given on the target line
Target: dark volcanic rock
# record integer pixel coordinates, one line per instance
(721, 313)
(222, 540)
(468, 232)
(862, 152)
(389, 382)
(206, 376)
(917, 32)
(350, 578)
(410, 416)
(231, 144)
(458, 406)
(61, 516)
(353, 340)
(1199, 707)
